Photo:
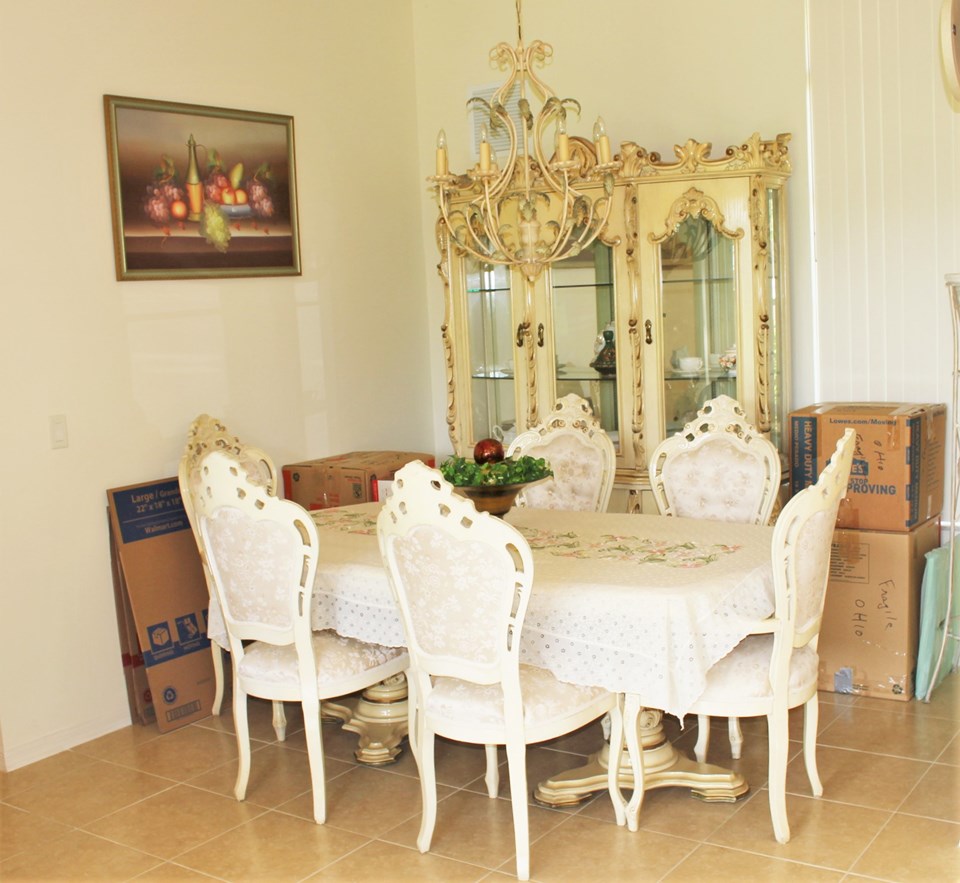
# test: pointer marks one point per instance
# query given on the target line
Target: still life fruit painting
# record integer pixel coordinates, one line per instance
(200, 191)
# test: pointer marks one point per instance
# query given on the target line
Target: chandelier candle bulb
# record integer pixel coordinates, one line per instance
(563, 142)
(484, 150)
(601, 140)
(442, 167)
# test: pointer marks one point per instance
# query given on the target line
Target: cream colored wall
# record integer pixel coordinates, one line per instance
(332, 361)
(658, 73)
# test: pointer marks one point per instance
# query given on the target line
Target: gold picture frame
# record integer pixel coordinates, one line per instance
(200, 192)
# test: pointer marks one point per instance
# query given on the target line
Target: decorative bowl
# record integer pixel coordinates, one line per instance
(497, 499)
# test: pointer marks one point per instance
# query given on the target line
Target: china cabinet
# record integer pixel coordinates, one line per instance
(682, 297)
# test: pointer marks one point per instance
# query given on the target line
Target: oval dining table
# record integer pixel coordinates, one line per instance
(638, 604)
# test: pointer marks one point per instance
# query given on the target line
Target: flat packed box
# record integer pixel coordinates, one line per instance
(345, 479)
(897, 476)
(870, 631)
(162, 604)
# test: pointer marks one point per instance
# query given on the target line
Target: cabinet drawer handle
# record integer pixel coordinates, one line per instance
(540, 334)
(648, 325)
(522, 328)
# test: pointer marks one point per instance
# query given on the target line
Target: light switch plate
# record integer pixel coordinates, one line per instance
(58, 431)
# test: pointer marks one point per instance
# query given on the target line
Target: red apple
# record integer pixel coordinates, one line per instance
(488, 450)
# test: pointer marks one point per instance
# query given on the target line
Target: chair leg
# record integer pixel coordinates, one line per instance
(613, 762)
(736, 737)
(311, 725)
(631, 721)
(517, 765)
(703, 738)
(280, 721)
(428, 787)
(811, 718)
(216, 651)
(777, 775)
(492, 776)
(243, 740)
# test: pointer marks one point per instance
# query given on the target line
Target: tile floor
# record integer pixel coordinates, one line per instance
(138, 805)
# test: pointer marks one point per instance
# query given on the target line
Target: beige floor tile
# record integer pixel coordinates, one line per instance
(174, 821)
(584, 849)
(945, 702)
(77, 856)
(179, 755)
(90, 792)
(259, 719)
(365, 801)
(458, 763)
(937, 795)
(718, 863)
(277, 774)
(42, 771)
(168, 872)
(120, 743)
(587, 740)
(389, 862)
(951, 754)
(889, 732)
(856, 777)
(274, 847)
(831, 835)
(475, 829)
(22, 831)
(911, 848)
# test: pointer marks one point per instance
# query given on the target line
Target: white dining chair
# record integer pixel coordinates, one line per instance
(262, 553)
(205, 434)
(462, 580)
(775, 668)
(718, 467)
(580, 453)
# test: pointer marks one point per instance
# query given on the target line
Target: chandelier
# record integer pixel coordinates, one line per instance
(535, 209)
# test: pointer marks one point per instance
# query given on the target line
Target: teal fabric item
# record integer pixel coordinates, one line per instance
(933, 613)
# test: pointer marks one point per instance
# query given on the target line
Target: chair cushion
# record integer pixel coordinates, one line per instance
(744, 673)
(715, 480)
(545, 698)
(577, 474)
(337, 658)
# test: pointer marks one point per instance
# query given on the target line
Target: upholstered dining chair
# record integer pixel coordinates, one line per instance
(580, 453)
(718, 466)
(462, 581)
(262, 554)
(205, 434)
(774, 669)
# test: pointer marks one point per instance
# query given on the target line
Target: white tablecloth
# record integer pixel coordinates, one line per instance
(634, 603)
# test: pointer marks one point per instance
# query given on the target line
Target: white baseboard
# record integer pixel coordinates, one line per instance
(16, 756)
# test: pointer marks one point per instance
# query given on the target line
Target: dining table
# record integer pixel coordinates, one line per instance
(638, 604)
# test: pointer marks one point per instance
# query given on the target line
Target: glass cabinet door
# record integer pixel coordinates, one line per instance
(699, 319)
(583, 323)
(491, 343)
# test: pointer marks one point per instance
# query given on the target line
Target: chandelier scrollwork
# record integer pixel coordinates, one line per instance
(535, 209)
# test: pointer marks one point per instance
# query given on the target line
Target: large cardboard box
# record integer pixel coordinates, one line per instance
(162, 602)
(344, 479)
(897, 477)
(870, 631)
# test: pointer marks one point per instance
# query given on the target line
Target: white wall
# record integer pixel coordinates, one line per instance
(332, 361)
(886, 146)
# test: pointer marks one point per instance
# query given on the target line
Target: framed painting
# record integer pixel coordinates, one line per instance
(200, 191)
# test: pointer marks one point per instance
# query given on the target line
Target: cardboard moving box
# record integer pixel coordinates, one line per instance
(897, 477)
(159, 582)
(870, 631)
(344, 479)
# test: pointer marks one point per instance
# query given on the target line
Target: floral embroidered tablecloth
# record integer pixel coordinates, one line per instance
(634, 603)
